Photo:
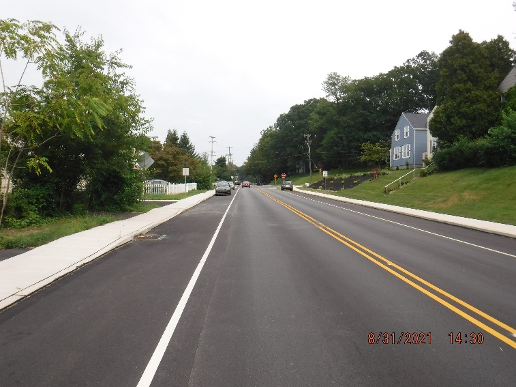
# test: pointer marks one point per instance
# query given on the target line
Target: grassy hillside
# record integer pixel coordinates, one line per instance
(488, 194)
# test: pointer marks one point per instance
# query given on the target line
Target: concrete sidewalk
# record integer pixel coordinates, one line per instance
(25, 273)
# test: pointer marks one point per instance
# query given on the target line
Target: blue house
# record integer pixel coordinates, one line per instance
(411, 141)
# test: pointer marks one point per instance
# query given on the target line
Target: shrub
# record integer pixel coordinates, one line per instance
(462, 154)
(27, 207)
(497, 149)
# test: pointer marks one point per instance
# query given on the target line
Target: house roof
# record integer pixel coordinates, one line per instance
(417, 120)
(509, 81)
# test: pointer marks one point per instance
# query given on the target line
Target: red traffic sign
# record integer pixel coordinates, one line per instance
(283, 175)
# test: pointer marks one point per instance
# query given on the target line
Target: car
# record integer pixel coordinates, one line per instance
(287, 184)
(222, 187)
(246, 184)
(232, 185)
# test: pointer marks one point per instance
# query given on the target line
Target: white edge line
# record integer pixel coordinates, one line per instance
(152, 366)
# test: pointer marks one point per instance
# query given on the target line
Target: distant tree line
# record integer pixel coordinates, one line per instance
(462, 82)
(176, 153)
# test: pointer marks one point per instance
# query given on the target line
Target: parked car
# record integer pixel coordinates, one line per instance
(222, 188)
(287, 184)
(246, 184)
(232, 185)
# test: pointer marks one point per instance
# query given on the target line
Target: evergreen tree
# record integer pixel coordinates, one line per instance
(467, 91)
(172, 137)
(185, 144)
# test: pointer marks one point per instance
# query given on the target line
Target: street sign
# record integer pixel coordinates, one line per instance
(275, 176)
(145, 161)
(186, 171)
(283, 175)
(325, 173)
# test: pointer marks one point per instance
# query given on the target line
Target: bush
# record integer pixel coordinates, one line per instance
(28, 207)
(497, 149)
(113, 191)
(463, 154)
(203, 177)
(500, 145)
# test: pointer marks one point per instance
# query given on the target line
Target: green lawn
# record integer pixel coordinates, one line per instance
(487, 194)
(39, 235)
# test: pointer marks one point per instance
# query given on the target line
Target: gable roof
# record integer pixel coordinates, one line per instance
(509, 81)
(417, 120)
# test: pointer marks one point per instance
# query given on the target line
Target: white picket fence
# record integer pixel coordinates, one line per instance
(169, 189)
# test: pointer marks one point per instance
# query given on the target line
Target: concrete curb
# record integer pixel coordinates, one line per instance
(476, 224)
(24, 274)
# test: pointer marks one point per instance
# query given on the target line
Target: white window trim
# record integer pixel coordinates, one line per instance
(396, 153)
(396, 134)
(406, 132)
(405, 151)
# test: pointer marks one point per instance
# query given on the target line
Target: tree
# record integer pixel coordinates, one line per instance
(500, 56)
(467, 91)
(262, 162)
(20, 110)
(94, 126)
(185, 144)
(290, 150)
(335, 86)
(220, 169)
(172, 137)
(424, 70)
(374, 152)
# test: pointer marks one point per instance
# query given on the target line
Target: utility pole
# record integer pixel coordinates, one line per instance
(308, 142)
(230, 164)
(229, 155)
(211, 154)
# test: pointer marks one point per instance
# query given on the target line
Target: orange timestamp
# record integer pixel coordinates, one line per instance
(401, 338)
(466, 338)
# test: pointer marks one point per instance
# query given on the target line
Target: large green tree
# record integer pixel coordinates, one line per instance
(92, 129)
(21, 111)
(467, 91)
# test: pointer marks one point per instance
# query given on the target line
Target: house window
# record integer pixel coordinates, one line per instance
(396, 134)
(406, 131)
(405, 151)
(396, 154)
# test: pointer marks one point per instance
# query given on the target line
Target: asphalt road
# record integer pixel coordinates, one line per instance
(285, 291)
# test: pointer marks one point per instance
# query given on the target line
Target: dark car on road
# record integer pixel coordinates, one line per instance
(222, 188)
(287, 184)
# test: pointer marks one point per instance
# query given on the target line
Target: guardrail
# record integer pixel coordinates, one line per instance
(168, 189)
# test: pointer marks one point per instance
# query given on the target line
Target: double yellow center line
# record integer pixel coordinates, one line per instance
(413, 280)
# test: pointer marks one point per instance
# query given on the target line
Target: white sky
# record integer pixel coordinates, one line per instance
(229, 68)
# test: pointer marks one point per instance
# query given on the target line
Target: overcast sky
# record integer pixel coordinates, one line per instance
(229, 68)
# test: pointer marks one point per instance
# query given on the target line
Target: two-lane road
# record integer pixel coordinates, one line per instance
(272, 288)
